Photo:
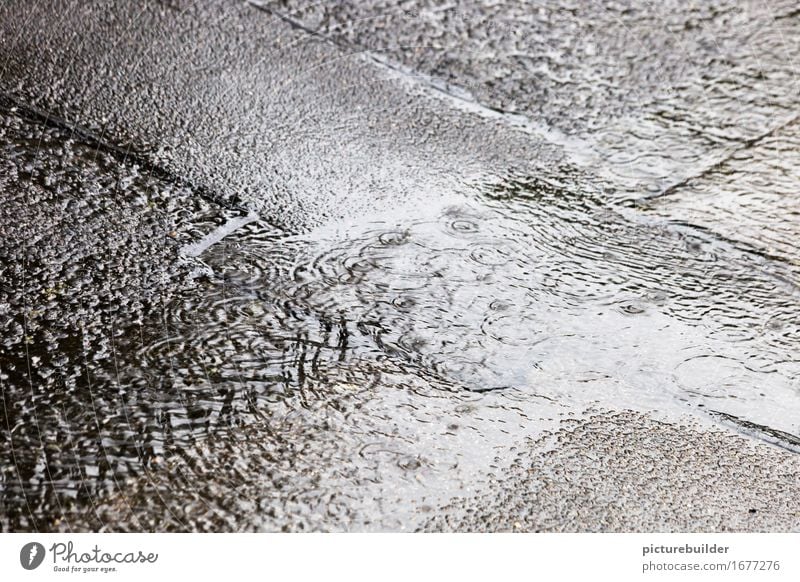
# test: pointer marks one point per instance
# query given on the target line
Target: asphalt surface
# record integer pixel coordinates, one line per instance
(287, 266)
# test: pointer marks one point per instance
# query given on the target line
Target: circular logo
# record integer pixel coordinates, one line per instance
(31, 555)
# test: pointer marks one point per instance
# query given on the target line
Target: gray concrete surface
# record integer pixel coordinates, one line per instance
(274, 266)
(627, 472)
(648, 93)
(248, 110)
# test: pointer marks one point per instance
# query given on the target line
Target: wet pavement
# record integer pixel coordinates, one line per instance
(290, 266)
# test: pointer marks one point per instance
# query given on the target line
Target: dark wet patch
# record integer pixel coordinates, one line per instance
(86, 252)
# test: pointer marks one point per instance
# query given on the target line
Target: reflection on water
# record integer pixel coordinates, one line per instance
(524, 287)
(284, 368)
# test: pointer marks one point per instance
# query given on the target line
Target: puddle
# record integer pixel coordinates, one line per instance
(396, 357)
(169, 364)
(522, 288)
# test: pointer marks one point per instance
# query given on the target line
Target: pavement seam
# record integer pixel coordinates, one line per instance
(731, 153)
(459, 97)
(125, 154)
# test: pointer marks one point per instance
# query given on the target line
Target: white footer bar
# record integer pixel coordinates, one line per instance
(379, 557)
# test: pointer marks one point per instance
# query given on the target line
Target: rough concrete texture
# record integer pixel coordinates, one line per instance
(249, 110)
(365, 266)
(626, 472)
(651, 93)
(89, 248)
